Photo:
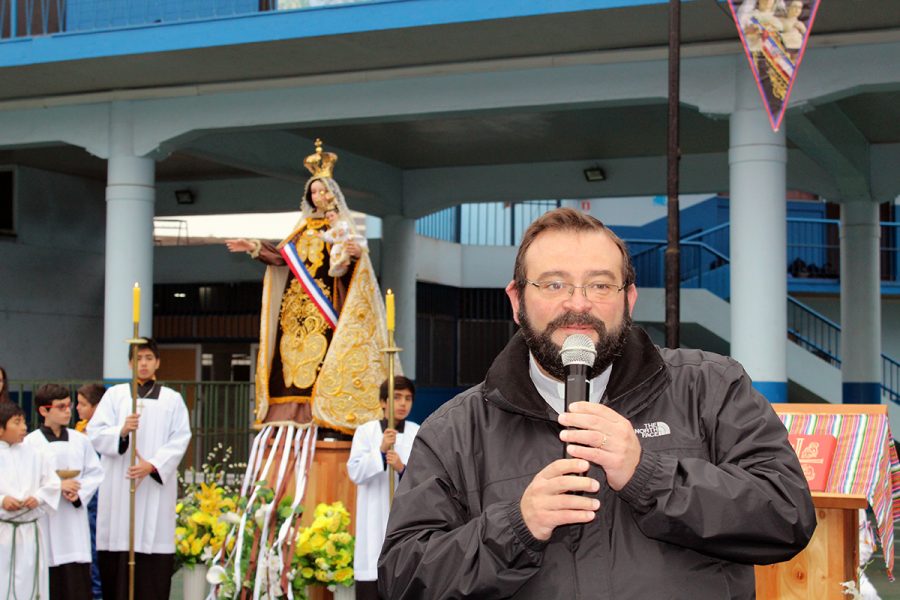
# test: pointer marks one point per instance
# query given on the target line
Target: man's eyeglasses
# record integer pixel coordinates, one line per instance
(595, 291)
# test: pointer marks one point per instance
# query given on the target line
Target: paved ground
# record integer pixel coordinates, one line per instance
(886, 589)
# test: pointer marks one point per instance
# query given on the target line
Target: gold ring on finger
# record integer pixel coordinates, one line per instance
(603, 441)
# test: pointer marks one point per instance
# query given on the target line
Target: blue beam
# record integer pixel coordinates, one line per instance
(260, 27)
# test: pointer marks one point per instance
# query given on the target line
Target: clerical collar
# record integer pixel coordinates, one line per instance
(51, 437)
(398, 425)
(554, 392)
(148, 390)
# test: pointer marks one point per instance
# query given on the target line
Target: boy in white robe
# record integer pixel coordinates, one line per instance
(66, 533)
(163, 434)
(29, 488)
(375, 446)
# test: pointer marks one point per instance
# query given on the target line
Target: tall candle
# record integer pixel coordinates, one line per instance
(136, 303)
(389, 305)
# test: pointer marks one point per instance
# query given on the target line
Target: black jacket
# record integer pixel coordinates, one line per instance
(718, 489)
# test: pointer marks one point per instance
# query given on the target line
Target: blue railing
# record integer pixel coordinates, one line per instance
(45, 17)
(813, 248)
(702, 266)
(484, 224)
(890, 378)
(814, 332)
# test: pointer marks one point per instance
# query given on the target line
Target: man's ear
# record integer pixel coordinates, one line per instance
(631, 296)
(512, 292)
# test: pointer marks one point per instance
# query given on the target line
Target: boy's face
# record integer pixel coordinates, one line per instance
(403, 400)
(147, 364)
(331, 216)
(85, 409)
(58, 414)
(15, 430)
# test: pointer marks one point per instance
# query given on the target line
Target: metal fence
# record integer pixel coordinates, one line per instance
(29, 18)
(220, 412)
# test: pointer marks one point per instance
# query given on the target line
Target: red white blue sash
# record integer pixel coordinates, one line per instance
(315, 293)
(775, 53)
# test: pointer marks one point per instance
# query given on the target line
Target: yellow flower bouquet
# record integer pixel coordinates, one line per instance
(205, 512)
(323, 552)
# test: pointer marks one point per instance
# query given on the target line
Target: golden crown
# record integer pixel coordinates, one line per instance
(320, 164)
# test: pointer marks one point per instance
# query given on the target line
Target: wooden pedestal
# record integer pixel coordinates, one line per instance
(329, 481)
(831, 557)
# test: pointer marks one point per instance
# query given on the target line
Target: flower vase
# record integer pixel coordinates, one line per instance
(195, 584)
(344, 593)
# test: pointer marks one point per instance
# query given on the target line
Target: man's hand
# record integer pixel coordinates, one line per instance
(10, 504)
(30, 502)
(131, 424)
(547, 502)
(388, 440)
(70, 489)
(140, 470)
(393, 459)
(603, 437)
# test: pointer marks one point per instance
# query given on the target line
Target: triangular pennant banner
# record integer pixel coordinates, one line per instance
(774, 33)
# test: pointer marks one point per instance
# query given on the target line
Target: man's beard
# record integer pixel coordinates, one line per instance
(609, 345)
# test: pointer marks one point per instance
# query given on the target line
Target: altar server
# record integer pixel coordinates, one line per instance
(29, 489)
(163, 434)
(66, 533)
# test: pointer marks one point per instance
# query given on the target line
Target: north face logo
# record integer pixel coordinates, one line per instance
(655, 429)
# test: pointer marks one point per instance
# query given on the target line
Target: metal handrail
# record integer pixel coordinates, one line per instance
(53, 17)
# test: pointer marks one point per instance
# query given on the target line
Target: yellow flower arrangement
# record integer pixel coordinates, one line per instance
(323, 554)
(202, 514)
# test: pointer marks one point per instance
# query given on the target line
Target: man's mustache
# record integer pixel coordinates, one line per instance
(570, 319)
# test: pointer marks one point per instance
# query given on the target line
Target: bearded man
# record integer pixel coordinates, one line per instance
(671, 481)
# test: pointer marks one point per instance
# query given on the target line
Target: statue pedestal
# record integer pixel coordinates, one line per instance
(328, 482)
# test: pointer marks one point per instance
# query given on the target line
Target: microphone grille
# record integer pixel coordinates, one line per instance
(578, 349)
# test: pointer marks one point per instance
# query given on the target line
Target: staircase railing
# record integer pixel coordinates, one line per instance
(705, 263)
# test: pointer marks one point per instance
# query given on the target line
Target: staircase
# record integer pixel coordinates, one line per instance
(813, 341)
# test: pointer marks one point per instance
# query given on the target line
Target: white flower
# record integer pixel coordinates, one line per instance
(206, 555)
(260, 515)
(216, 575)
(231, 518)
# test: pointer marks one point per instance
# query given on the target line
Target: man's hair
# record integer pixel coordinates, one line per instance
(400, 383)
(47, 393)
(4, 390)
(148, 344)
(8, 410)
(567, 219)
(92, 392)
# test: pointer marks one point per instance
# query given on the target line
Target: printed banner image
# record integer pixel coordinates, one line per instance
(774, 34)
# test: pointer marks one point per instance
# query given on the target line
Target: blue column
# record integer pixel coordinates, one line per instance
(398, 272)
(757, 158)
(860, 303)
(130, 198)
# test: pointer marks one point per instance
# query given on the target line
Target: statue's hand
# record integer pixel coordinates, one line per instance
(239, 245)
(353, 248)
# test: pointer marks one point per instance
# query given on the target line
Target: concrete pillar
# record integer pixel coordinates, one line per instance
(860, 303)
(398, 272)
(130, 197)
(757, 157)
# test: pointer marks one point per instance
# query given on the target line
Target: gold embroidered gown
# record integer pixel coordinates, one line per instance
(307, 371)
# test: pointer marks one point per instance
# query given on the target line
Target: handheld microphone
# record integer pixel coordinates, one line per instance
(578, 354)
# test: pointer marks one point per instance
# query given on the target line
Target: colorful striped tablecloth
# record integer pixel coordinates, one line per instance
(865, 463)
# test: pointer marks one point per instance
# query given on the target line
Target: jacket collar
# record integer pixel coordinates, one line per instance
(638, 376)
